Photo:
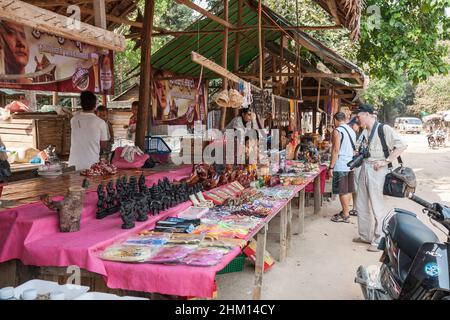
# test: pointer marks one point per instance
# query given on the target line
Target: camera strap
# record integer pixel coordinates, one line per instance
(385, 146)
(372, 133)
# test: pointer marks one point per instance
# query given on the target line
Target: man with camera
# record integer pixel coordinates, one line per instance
(374, 167)
(343, 148)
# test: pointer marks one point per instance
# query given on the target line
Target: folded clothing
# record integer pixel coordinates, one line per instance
(129, 157)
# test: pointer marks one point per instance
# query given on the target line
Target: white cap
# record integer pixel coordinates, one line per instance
(6, 293)
(57, 295)
(30, 294)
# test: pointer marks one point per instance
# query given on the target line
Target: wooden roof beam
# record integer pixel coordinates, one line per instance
(54, 3)
(44, 20)
(205, 12)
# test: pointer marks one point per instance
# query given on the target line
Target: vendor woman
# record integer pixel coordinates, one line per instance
(245, 120)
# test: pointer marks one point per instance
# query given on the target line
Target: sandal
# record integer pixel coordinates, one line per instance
(353, 212)
(338, 217)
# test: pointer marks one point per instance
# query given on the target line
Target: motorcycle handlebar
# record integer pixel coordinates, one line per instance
(420, 201)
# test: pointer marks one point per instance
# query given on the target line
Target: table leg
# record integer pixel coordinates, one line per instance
(289, 224)
(301, 211)
(317, 207)
(259, 263)
(283, 233)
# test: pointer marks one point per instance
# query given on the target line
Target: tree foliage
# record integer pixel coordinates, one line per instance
(401, 38)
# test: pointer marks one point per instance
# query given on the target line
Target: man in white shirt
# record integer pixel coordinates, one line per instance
(89, 134)
(343, 149)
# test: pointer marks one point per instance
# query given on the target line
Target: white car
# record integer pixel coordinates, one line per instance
(413, 125)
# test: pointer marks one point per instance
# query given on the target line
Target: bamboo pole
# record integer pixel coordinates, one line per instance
(261, 85)
(237, 51)
(100, 21)
(223, 115)
(145, 78)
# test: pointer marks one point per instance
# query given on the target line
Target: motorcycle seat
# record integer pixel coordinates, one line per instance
(409, 233)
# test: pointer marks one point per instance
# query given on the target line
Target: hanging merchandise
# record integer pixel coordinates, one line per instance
(247, 91)
(292, 123)
(222, 99)
(235, 98)
(262, 102)
(282, 112)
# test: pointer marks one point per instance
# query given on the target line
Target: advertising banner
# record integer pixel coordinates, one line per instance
(34, 60)
(178, 101)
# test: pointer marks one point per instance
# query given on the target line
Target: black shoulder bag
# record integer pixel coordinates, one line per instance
(400, 181)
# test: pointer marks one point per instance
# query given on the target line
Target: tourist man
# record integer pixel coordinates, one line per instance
(89, 134)
(370, 199)
(343, 140)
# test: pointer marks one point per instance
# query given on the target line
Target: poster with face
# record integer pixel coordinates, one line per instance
(35, 60)
(177, 101)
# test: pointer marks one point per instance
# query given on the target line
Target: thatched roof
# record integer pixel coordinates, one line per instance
(345, 12)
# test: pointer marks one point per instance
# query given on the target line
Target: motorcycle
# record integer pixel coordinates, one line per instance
(415, 264)
(437, 139)
(432, 143)
(441, 138)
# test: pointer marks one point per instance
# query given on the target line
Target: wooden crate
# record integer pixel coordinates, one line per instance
(19, 133)
(35, 131)
(118, 119)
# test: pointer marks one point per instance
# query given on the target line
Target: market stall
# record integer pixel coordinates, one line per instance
(240, 201)
(31, 231)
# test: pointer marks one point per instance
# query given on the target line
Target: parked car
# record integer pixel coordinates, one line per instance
(408, 124)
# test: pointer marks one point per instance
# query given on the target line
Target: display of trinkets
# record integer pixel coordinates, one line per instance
(127, 253)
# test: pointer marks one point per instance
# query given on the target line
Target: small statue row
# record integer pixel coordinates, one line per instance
(134, 200)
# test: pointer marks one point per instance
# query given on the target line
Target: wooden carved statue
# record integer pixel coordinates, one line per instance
(69, 209)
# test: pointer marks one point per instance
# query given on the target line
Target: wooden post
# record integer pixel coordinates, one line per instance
(100, 13)
(223, 115)
(283, 233)
(280, 91)
(73, 103)
(314, 119)
(289, 224)
(145, 103)
(100, 21)
(301, 211)
(317, 195)
(237, 50)
(55, 100)
(259, 263)
(261, 58)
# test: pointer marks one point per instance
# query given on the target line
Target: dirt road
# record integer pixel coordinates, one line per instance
(322, 262)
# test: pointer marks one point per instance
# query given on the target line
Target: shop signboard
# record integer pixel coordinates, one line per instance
(35, 60)
(177, 101)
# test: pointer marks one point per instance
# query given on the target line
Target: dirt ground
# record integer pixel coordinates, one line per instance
(322, 262)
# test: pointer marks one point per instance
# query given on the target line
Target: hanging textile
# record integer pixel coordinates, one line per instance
(262, 102)
(292, 123)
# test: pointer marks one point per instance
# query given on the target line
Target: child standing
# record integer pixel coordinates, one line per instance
(132, 122)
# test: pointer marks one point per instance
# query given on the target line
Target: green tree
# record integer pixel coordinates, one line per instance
(401, 38)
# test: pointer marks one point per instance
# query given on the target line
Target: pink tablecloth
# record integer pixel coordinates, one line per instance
(323, 178)
(30, 233)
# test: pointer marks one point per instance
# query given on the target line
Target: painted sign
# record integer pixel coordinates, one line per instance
(35, 60)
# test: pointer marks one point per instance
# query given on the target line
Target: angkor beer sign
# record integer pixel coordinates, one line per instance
(34, 60)
(178, 101)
